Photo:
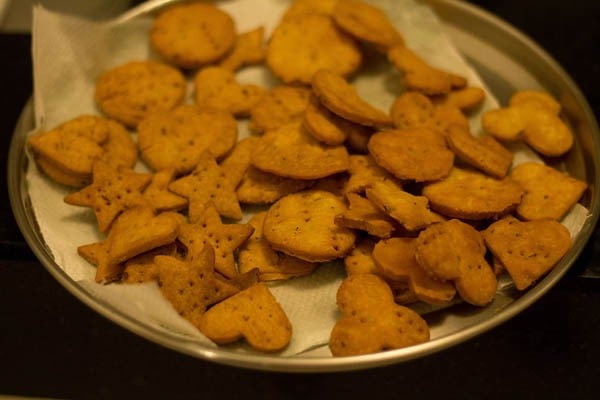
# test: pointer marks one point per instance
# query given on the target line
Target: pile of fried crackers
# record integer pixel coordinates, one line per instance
(417, 207)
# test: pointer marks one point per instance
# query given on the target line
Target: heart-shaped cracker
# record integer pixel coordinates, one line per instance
(528, 250)
(253, 314)
(371, 321)
(455, 251)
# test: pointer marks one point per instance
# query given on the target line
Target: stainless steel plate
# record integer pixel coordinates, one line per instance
(506, 60)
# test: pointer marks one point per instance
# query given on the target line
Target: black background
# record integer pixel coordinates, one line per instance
(51, 345)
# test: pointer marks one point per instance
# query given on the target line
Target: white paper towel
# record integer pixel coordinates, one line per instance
(70, 53)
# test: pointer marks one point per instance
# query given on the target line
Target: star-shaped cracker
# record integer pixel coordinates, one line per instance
(224, 238)
(208, 182)
(112, 191)
(158, 195)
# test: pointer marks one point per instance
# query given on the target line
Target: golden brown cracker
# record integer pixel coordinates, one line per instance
(366, 23)
(142, 268)
(61, 176)
(340, 97)
(159, 196)
(272, 265)
(292, 152)
(324, 125)
(395, 260)
(130, 92)
(177, 138)
(302, 225)
(279, 106)
(410, 211)
(363, 215)
(217, 88)
(193, 34)
(120, 150)
(252, 314)
(302, 44)
(207, 182)
(248, 49)
(363, 172)
(417, 154)
(466, 99)
(360, 259)
(455, 251)
(371, 321)
(535, 98)
(549, 193)
(259, 187)
(297, 7)
(419, 76)
(484, 152)
(208, 228)
(528, 250)
(472, 195)
(111, 192)
(237, 161)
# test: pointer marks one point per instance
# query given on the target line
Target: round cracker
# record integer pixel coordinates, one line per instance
(305, 43)
(192, 35)
(417, 154)
(303, 225)
(177, 138)
(132, 91)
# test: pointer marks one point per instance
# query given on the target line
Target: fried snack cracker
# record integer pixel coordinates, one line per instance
(111, 192)
(142, 268)
(360, 259)
(324, 125)
(279, 106)
(340, 97)
(366, 23)
(194, 34)
(302, 44)
(191, 286)
(371, 321)
(532, 117)
(223, 238)
(418, 75)
(159, 196)
(207, 182)
(259, 187)
(466, 99)
(417, 154)
(395, 260)
(302, 225)
(73, 146)
(469, 194)
(415, 110)
(272, 265)
(217, 88)
(484, 152)
(290, 151)
(252, 314)
(528, 250)
(412, 212)
(120, 150)
(363, 172)
(548, 193)
(363, 215)
(237, 162)
(132, 91)
(60, 176)
(455, 251)
(248, 49)
(126, 240)
(177, 138)
(334, 184)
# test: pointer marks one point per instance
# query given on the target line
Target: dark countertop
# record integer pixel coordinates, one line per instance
(52, 345)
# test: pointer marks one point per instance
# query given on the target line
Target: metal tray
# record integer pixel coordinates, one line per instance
(506, 60)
